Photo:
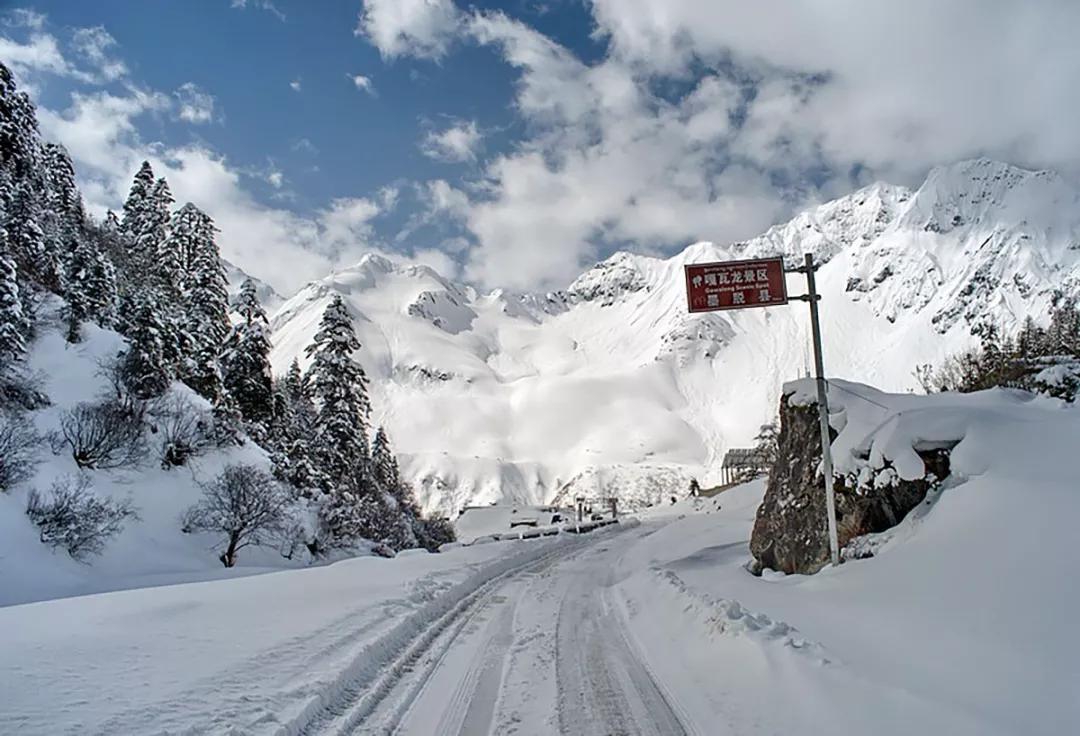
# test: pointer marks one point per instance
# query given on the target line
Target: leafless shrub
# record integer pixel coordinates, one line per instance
(113, 370)
(22, 391)
(18, 444)
(72, 517)
(245, 504)
(102, 436)
(185, 430)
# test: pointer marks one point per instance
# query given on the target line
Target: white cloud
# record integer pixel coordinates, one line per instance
(362, 83)
(442, 198)
(40, 53)
(25, 18)
(266, 5)
(94, 44)
(304, 145)
(296, 85)
(347, 222)
(388, 197)
(455, 144)
(902, 86)
(195, 104)
(420, 28)
(607, 161)
(685, 127)
(275, 178)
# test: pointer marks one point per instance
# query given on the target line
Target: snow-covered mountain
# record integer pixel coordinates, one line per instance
(268, 297)
(611, 387)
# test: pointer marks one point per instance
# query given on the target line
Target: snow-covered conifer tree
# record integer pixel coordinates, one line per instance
(12, 321)
(339, 442)
(144, 369)
(203, 324)
(246, 358)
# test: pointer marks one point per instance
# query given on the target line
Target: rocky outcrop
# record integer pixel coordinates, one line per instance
(790, 531)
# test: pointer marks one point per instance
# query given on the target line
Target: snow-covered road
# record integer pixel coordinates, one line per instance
(500, 638)
(539, 651)
(650, 628)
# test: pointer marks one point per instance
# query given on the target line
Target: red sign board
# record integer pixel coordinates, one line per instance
(735, 284)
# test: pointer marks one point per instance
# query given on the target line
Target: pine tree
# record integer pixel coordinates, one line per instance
(139, 225)
(339, 388)
(12, 320)
(298, 427)
(26, 239)
(64, 201)
(187, 229)
(246, 358)
(298, 397)
(76, 307)
(199, 330)
(20, 146)
(402, 511)
(383, 463)
(339, 442)
(145, 372)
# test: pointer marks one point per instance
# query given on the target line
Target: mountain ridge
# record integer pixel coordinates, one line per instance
(612, 387)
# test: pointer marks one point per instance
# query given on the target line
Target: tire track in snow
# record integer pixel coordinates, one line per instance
(390, 673)
(603, 687)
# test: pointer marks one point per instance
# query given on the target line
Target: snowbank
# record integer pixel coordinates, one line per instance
(961, 623)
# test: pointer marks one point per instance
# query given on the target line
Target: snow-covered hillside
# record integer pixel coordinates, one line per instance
(611, 387)
(150, 550)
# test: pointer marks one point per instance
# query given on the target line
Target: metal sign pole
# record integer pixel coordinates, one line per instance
(823, 409)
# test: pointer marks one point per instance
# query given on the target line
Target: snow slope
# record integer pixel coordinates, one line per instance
(611, 388)
(961, 622)
(150, 551)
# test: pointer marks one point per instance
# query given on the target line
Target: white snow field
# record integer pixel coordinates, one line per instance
(612, 388)
(962, 622)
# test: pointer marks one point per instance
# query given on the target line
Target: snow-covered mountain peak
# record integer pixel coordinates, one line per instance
(987, 193)
(609, 279)
(510, 395)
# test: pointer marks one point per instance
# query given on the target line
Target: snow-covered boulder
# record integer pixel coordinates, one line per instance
(889, 450)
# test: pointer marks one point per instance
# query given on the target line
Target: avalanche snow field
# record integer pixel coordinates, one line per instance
(645, 628)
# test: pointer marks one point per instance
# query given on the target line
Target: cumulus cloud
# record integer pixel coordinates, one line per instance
(455, 144)
(609, 161)
(362, 83)
(194, 104)
(296, 85)
(901, 86)
(715, 118)
(40, 53)
(346, 222)
(420, 28)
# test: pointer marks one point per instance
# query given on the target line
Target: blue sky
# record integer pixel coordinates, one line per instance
(514, 143)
